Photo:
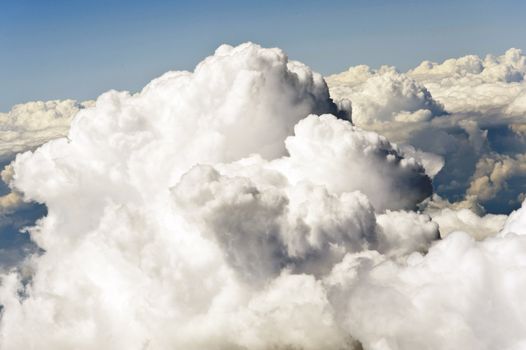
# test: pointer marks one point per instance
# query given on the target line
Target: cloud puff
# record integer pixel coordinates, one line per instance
(458, 295)
(349, 159)
(25, 127)
(31, 124)
(263, 229)
(518, 106)
(463, 216)
(383, 95)
(473, 84)
(509, 67)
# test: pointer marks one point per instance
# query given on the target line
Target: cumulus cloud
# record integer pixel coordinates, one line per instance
(465, 110)
(509, 67)
(383, 95)
(107, 189)
(492, 175)
(463, 216)
(460, 294)
(183, 254)
(25, 127)
(31, 124)
(230, 208)
(348, 159)
(517, 107)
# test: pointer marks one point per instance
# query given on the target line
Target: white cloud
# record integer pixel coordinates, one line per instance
(461, 294)
(226, 208)
(492, 174)
(29, 125)
(509, 67)
(156, 272)
(383, 95)
(461, 217)
(458, 110)
(473, 84)
(345, 158)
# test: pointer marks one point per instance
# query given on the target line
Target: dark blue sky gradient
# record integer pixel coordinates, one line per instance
(78, 48)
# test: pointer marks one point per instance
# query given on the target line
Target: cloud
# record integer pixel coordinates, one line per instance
(458, 294)
(463, 216)
(509, 67)
(489, 88)
(25, 127)
(263, 228)
(518, 106)
(11, 200)
(492, 175)
(230, 208)
(465, 110)
(166, 251)
(383, 95)
(15, 214)
(29, 125)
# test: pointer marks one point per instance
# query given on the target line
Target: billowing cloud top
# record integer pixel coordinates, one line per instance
(229, 208)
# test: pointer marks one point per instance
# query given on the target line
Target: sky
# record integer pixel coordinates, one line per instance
(79, 49)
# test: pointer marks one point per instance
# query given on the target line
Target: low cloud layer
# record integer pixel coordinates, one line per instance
(238, 207)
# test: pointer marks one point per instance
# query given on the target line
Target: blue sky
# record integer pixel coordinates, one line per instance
(78, 49)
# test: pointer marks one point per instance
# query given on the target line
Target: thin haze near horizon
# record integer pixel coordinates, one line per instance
(79, 49)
